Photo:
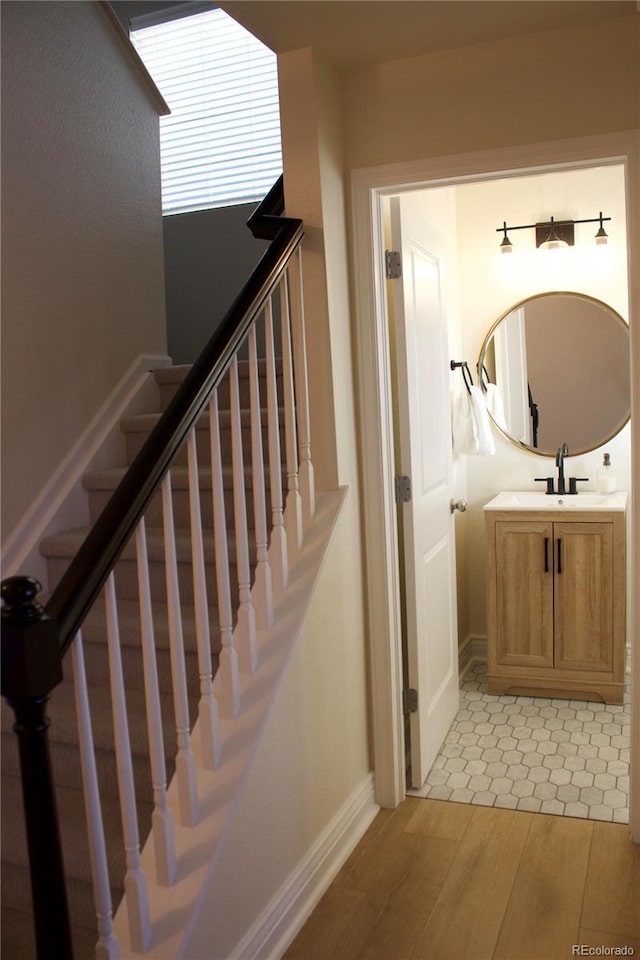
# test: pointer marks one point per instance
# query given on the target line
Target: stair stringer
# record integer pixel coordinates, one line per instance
(174, 908)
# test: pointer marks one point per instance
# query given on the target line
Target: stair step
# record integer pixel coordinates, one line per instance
(64, 749)
(67, 544)
(137, 429)
(170, 378)
(59, 549)
(109, 479)
(94, 633)
(63, 724)
(94, 628)
(16, 893)
(175, 373)
(17, 936)
(19, 942)
(101, 484)
(65, 763)
(75, 845)
(16, 896)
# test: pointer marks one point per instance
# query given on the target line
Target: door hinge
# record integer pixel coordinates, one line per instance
(393, 264)
(409, 701)
(403, 488)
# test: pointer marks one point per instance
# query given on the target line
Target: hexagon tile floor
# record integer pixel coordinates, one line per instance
(568, 757)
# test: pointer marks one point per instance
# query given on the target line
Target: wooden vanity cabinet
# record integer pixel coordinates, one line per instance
(556, 604)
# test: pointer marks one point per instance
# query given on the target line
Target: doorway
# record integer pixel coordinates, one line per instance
(369, 189)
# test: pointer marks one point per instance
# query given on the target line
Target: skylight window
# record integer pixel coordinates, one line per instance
(221, 144)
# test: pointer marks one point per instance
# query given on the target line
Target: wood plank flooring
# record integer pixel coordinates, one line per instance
(433, 880)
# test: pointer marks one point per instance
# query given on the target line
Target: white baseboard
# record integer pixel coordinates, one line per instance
(473, 649)
(287, 911)
(62, 497)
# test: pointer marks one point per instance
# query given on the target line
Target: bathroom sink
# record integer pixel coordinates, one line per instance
(535, 500)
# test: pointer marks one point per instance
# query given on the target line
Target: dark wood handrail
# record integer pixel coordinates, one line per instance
(83, 580)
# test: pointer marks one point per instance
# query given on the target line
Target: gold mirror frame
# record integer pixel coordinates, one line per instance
(520, 444)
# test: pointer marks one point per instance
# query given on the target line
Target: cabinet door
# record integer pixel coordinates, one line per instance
(584, 596)
(524, 593)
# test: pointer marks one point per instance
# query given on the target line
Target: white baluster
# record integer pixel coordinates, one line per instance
(278, 547)
(228, 670)
(162, 818)
(107, 947)
(135, 881)
(263, 589)
(307, 484)
(208, 707)
(185, 760)
(247, 651)
(293, 512)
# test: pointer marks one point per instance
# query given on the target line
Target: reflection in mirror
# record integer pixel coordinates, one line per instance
(555, 368)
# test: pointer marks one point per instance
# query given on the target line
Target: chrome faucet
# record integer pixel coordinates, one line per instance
(561, 453)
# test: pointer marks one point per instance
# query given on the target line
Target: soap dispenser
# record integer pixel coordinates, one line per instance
(607, 482)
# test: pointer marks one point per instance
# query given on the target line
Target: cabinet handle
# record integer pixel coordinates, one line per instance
(559, 556)
(546, 554)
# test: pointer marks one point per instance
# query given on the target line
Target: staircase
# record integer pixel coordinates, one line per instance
(17, 922)
(159, 653)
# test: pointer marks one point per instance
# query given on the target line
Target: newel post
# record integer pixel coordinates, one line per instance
(31, 668)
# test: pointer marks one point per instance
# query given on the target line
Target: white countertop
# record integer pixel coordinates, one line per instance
(535, 500)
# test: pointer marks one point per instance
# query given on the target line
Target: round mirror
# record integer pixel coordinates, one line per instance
(555, 369)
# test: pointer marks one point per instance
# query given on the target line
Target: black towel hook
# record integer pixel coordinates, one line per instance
(466, 373)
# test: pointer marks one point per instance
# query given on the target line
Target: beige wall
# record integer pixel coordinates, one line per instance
(545, 86)
(83, 291)
(312, 756)
(315, 750)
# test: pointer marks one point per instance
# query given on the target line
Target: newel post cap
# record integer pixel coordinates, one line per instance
(31, 664)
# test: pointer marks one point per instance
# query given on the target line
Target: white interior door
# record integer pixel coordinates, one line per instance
(425, 442)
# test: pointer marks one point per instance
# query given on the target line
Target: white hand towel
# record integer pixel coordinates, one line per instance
(481, 424)
(464, 440)
(470, 424)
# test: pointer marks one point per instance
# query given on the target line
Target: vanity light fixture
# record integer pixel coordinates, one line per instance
(553, 234)
(602, 237)
(506, 246)
(552, 239)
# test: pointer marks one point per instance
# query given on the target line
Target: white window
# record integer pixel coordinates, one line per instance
(221, 143)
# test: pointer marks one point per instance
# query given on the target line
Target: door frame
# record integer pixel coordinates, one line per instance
(368, 188)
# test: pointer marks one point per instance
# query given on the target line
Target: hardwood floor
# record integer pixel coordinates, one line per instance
(433, 880)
